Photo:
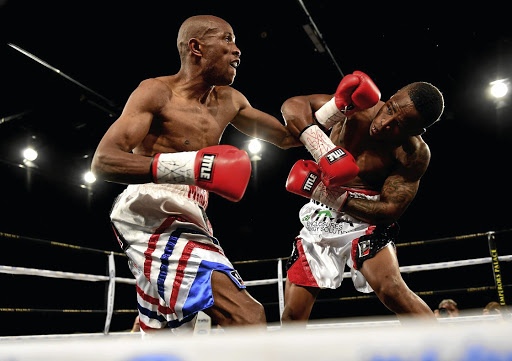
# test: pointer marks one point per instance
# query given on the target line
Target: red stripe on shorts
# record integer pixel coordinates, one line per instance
(145, 327)
(182, 264)
(152, 244)
(154, 301)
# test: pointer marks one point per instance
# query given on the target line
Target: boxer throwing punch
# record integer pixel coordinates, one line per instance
(165, 146)
(364, 176)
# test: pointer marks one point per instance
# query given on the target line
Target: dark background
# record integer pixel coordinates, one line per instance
(110, 47)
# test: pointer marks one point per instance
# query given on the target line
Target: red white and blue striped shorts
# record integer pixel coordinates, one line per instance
(171, 249)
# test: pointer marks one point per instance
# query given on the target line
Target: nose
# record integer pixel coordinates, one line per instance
(237, 51)
(386, 123)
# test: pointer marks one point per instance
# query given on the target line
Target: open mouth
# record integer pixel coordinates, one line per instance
(235, 63)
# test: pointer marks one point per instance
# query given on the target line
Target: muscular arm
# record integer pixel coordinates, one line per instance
(258, 124)
(298, 111)
(113, 160)
(397, 193)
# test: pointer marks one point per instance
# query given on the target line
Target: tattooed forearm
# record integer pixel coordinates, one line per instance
(395, 197)
(369, 211)
(397, 192)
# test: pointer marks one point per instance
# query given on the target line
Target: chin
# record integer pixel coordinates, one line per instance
(225, 81)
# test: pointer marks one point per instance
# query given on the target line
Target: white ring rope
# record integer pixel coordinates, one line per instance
(60, 274)
(112, 279)
(263, 282)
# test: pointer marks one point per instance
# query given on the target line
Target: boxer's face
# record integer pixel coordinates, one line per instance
(397, 119)
(221, 55)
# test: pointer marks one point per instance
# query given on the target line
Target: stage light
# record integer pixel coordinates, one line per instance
(254, 146)
(499, 88)
(89, 177)
(30, 154)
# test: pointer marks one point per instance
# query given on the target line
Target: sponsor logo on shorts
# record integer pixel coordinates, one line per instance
(335, 155)
(206, 169)
(326, 227)
(326, 222)
(364, 248)
(309, 182)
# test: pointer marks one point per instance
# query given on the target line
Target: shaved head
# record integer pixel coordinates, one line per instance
(198, 27)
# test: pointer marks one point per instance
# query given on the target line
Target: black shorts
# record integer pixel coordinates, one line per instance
(367, 246)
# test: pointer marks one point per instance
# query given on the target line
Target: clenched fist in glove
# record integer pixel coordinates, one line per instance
(356, 91)
(304, 180)
(222, 169)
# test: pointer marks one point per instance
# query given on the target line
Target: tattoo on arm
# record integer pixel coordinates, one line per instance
(395, 197)
(398, 191)
(364, 209)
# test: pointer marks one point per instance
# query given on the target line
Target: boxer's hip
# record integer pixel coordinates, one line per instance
(146, 206)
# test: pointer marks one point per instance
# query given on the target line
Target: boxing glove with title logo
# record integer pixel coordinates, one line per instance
(304, 180)
(337, 165)
(221, 169)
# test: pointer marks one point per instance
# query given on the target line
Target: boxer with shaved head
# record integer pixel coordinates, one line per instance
(165, 146)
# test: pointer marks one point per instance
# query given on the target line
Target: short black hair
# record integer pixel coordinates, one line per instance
(428, 101)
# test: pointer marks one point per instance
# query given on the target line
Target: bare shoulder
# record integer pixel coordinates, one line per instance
(153, 93)
(160, 84)
(414, 155)
(229, 94)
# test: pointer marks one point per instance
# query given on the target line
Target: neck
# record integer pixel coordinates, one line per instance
(192, 85)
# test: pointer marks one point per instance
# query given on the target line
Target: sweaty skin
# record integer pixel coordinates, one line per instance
(390, 160)
(186, 111)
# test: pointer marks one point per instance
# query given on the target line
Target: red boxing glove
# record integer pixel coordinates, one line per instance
(355, 92)
(304, 180)
(222, 169)
(338, 167)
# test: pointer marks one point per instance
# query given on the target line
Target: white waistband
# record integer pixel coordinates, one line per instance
(194, 193)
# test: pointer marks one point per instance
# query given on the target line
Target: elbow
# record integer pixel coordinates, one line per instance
(294, 101)
(292, 105)
(389, 217)
(297, 115)
(98, 167)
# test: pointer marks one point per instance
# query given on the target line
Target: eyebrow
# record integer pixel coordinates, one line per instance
(393, 107)
(227, 33)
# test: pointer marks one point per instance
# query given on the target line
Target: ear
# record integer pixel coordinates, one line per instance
(195, 47)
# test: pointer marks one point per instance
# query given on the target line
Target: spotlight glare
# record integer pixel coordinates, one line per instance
(89, 177)
(254, 146)
(30, 154)
(499, 88)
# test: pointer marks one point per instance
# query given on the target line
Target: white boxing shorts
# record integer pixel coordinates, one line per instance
(331, 240)
(172, 253)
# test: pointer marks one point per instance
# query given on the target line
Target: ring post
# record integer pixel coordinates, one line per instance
(496, 271)
(111, 291)
(280, 291)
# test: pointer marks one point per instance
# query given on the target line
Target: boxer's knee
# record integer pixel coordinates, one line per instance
(251, 314)
(291, 314)
(391, 291)
(233, 306)
(244, 314)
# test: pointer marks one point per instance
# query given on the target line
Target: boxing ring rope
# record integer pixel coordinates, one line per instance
(111, 278)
